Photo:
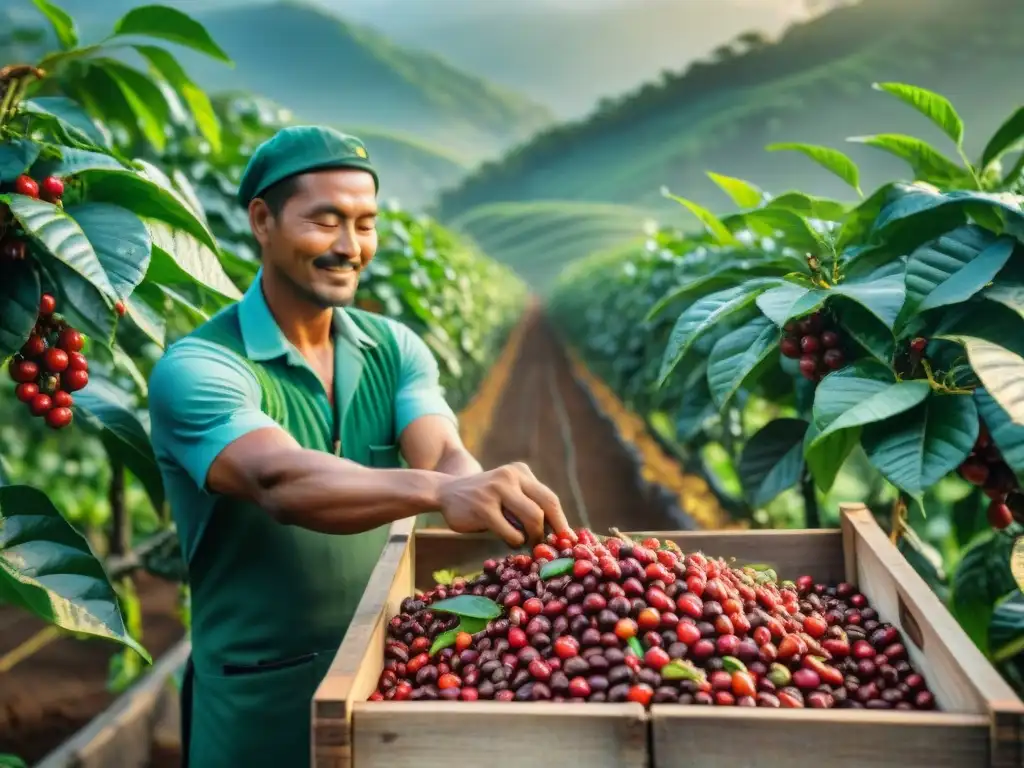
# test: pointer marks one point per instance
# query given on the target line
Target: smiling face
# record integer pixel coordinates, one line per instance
(317, 232)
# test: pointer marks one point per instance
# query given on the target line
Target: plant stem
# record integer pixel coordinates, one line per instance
(120, 540)
(812, 516)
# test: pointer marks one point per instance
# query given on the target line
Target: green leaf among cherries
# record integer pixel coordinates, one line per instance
(471, 606)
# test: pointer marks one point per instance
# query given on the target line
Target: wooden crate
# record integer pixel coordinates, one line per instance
(979, 726)
(350, 732)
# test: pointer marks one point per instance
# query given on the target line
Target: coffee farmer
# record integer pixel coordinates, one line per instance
(278, 426)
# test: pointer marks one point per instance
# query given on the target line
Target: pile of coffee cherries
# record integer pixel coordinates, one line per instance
(818, 346)
(618, 620)
(50, 366)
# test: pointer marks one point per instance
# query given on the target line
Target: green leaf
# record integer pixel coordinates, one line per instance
(198, 102)
(722, 277)
(635, 646)
(772, 460)
(176, 253)
(63, 25)
(165, 23)
(714, 226)
(919, 447)
(81, 302)
(845, 401)
(789, 301)
(72, 162)
(934, 106)
(794, 229)
(120, 240)
(147, 103)
(62, 239)
(555, 568)
(1006, 139)
(830, 159)
(827, 456)
(953, 268)
(743, 193)
(810, 206)
(104, 408)
(1008, 437)
(883, 297)
(1006, 629)
(70, 118)
(927, 163)
(679, 669)
(738, 357)
(47, 568)
(16, 157)
(1002, 374)
(472, 606)
(981, 579)
(447, 639)
(12, 761)
(19, 305)
(146, 319)
(701, 316)
(146, 199)
(865, 328)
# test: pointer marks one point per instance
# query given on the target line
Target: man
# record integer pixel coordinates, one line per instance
(278, 426)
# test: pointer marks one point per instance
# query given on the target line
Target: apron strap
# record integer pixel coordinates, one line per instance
(187, 684)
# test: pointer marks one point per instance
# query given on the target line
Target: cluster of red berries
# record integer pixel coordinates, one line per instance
(818, 347)
(50, 366)
(986, 468)
(643, 622)
(51, 189)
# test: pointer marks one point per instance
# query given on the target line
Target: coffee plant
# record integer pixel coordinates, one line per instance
(803, 336)
(120, 232)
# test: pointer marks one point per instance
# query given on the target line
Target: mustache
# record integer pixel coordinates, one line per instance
(329, 260)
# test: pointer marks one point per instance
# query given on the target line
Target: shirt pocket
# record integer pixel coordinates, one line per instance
(385, 456)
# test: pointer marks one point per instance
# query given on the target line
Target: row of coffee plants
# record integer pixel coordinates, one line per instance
(810, 346)
(108, 253)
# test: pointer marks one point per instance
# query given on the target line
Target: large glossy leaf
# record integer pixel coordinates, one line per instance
(16, 157)
(784, 302)
(61, 237)
(726, 276)
(63, 25)
(831, 159)
(165, 23)
(147, 103)
(1008, 437)
(917, 448)
(1001, 372)
(864, 328)
(844, 400)
(19, 305)
(120, 241)
(194, 97)
(146, 199)
(954, 268)
(1006, 629)
(73, 161)
(881, 296)
(927, 163)
(916, 202)
(793, 228)
(105, 408)
(702, 315)
(70, 119)
(738, 357)
(772, 460)
(46, 567)
(1006, 139)
(810, 206)
(191, 257)
(934, 106)
(743, 193)
(828, 454)
(714, 226)
(147, 319)
(980, 580)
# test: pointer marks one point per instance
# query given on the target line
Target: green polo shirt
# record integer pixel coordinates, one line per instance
(203, 397)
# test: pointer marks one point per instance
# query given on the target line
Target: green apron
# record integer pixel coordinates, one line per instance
(270, 602)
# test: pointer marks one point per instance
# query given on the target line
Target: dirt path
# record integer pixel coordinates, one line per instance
(45, 699)
(533, 424)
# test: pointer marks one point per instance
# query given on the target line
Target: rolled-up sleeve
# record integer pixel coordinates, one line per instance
(419, 386)
(202, 397)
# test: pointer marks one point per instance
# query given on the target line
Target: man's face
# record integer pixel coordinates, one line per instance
(323, 237)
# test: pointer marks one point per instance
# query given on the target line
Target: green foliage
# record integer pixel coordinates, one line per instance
(922, 282)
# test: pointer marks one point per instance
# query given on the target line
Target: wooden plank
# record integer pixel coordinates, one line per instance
(958, 673)
(724, 737)
(122, 736)
(499, 734)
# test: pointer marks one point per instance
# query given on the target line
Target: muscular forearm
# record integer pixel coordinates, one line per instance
(321, 492)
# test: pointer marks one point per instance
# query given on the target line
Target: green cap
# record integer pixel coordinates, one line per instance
(301, 149)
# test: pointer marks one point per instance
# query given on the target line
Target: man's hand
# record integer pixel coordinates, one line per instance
(476, 503)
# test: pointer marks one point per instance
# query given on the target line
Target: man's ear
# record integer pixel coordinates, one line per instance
(261, 219)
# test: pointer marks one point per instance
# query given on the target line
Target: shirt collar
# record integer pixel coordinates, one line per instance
(263, 338)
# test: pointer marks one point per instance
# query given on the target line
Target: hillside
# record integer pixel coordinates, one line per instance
(325, 69)
(813, 85)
